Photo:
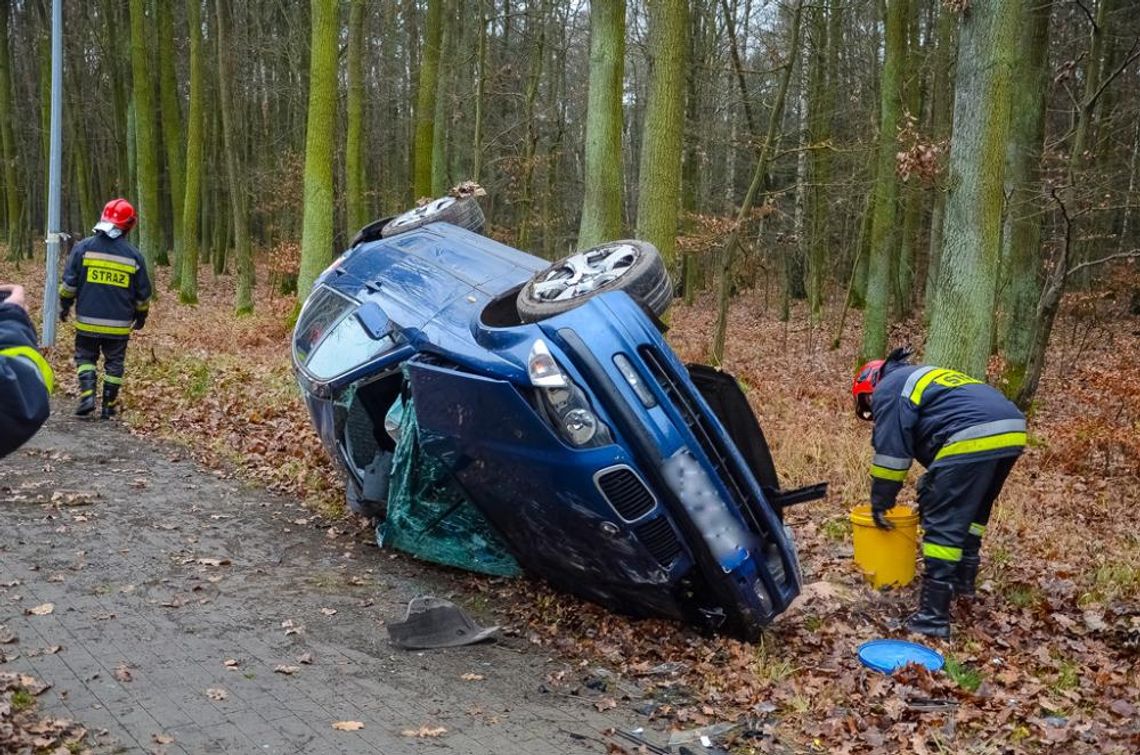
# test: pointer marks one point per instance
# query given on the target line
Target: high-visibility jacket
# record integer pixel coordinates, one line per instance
(25, 380)
(108, 279)
(936, 416)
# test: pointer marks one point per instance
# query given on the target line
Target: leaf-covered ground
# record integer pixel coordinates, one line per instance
(1046, 659)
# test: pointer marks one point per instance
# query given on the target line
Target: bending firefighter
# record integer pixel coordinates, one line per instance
(968, 436)
(106, 280)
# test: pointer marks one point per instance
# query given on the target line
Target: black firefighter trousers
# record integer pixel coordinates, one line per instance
(955, 502)
(114, 350)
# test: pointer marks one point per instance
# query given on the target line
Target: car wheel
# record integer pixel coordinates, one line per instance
(631, 266)
(464, 213)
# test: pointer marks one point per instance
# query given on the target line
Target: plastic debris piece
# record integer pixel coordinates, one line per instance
(888, 655)
(436, 623)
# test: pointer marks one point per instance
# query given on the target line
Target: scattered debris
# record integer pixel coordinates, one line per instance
(436, 623)
(286, 670)
(469, 677)
(348, 725)
(41, 610)
(217, 693)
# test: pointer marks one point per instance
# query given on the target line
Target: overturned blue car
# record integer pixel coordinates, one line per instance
(497, 412)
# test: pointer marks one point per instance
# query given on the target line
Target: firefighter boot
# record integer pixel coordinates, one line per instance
(110, 400)
(86, 393)
(966, 576)
(933, 616)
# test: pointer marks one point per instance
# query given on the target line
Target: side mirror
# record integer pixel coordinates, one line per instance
(374, 320)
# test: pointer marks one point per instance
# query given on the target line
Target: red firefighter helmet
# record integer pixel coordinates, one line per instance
(117, 219)
(864, 385)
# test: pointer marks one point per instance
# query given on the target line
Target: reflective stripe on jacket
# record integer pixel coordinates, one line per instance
(25, 380)
(936, 416)
(108, 279)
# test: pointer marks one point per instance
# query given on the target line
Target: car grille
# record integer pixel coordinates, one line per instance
(658, 537)
(707, 437)
(626, 493)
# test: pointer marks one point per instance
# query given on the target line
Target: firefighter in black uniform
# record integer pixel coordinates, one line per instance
(107, 281)
(25, 378)
(968, 436)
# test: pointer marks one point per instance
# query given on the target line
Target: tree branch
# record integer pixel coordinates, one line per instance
(1088, 13)
(1134, 254)
(1133, 54)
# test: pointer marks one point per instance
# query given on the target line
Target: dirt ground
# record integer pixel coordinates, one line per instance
(196, 615)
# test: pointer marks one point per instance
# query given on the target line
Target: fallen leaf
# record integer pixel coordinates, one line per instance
(41, 610)
(162, 739)
(290, 627)
(123, 673)
(287, 670)
(230, 663)
(305, 658)
(472, 677)
(7, 636)
(33, 685)
(606, 703)
(217, 693)
(425, 731)
(328, 611)
(348, 726)
(213, 561)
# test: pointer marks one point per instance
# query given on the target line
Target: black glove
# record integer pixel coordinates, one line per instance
(140, 320)
(879, 514)
(64, 309)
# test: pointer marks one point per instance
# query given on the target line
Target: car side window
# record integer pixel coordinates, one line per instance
(347, 346)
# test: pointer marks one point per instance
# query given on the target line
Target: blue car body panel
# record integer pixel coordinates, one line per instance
(704, 546)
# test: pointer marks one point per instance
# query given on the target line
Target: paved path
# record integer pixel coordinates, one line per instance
(160, 574)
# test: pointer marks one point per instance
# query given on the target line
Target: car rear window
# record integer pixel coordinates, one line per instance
(325, 310)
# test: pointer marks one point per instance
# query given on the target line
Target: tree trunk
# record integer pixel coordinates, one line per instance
(941, 115)
(758, 177)
(601, 201)
(17, 236)
(243, 302)
(171, 131)
(530, 132)
(883, 218)
(354, 140)
(439, 183)
(317, 233)
(146, 142)
(1022, 233)
(188, 290)
(821, 106)
(961, 325)
(662, 140)
(480, 93)
(425, 103)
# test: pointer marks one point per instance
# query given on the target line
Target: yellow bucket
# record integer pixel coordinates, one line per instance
(886, 557)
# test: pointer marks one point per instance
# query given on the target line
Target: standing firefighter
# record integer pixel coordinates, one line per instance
(106, 280)
(968, 436)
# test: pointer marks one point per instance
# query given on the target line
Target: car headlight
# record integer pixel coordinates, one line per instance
(564, 403)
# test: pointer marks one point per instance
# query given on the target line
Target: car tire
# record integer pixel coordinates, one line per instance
(640, 273)
(464, 212)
